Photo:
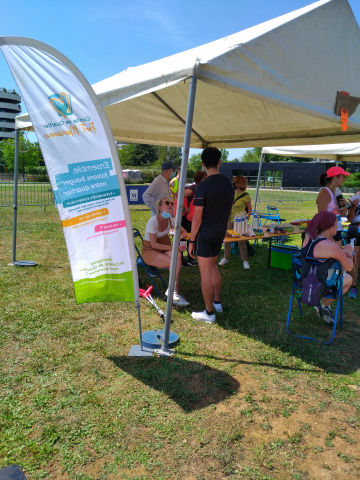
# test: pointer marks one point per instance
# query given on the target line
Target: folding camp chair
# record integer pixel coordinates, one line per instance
(272, 214)
(140, 262)
(331, 288)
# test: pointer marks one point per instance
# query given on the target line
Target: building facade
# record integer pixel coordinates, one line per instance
(9, 108)
(278, 174)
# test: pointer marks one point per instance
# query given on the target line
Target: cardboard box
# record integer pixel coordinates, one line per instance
(281, 256)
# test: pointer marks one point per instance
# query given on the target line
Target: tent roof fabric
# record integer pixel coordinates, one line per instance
(272, 84)
(349, 152)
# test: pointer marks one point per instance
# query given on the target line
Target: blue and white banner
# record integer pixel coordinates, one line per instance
(84, 169)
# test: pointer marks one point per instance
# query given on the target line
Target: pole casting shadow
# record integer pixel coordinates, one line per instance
(190, 384)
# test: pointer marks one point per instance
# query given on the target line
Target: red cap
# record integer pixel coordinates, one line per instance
(336, 171)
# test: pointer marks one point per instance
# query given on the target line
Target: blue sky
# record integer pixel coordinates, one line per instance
(103, 38)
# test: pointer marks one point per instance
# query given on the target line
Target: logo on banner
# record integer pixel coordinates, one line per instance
(61, 103)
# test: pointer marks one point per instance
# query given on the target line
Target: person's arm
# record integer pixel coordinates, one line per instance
(156, 245)
(249, 208)
(333, 250)
(351, 213)
(188, 193)
(195, 225)
(148, 196)
(323, 200)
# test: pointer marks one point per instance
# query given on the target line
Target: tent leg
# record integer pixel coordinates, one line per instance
(139, 350)
(22, 263)
(258, 181)
(180, 204)
(16, 161)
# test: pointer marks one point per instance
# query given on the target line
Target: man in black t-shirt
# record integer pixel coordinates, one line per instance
(213, 203)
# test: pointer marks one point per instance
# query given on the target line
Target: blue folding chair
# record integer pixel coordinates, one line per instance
(140, 262)
(335, 284)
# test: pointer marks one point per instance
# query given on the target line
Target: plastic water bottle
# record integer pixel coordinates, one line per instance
(244, 223)
(242, 230)
(256, 219)
(236, 223)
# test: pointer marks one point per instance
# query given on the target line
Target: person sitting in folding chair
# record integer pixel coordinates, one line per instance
(319, 243)
(157, 249)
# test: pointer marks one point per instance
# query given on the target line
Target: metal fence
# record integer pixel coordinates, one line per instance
(29, 194)
(296, 194)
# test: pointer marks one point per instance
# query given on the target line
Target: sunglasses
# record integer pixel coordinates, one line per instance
(168, 203)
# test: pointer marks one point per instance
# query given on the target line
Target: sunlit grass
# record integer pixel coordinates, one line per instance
(241, 399)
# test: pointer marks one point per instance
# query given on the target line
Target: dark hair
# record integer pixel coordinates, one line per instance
(199, 175)
(324, 179)
(240, 182)
(210, 157)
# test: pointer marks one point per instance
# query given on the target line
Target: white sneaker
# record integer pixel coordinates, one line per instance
(178, 299)
(246, 266)
(204, 317)
(218, 307)
(223, 261)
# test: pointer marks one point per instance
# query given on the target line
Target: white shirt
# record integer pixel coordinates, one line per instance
(159, 188)
(152, 226)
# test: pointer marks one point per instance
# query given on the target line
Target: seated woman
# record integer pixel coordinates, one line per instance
(354, 232)
(319, 243)
(157, 249)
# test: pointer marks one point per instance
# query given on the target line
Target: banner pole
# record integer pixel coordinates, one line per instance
(16, 162)
(258, 181)
(180, 205)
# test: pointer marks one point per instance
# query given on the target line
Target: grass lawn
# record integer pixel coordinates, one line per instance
(240, 400)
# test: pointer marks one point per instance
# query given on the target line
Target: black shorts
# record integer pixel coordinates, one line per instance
(353, 232)
(337, 237)
(207, 246)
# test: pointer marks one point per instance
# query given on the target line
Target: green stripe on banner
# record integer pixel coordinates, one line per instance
(105, 288)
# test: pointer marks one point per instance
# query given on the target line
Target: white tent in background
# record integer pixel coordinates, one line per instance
(348, 152)
(272, 84)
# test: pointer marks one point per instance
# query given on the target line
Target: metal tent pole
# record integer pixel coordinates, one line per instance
(21, 263)
(258, 181)
(16, 161)
(180, 204)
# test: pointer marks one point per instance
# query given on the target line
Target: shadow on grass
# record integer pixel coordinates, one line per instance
(190, 384)
(255, 305)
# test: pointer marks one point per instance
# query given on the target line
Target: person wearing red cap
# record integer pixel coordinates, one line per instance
(319, 244)
(326, 200)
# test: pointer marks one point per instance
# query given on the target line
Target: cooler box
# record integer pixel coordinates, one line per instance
(281, 256)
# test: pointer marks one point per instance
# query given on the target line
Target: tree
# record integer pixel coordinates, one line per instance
(125, 154)
(224, 155)
(195, 162)
(251, 156)
(137, 155)
(164, 154)
(29, 153)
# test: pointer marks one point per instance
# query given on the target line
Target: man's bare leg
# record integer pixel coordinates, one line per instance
(216, 279)
(210, 281)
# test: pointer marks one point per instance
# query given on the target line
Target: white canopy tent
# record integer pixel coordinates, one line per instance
(349, 152)
(272, 84)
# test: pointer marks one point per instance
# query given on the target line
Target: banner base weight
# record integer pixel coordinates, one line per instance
(154, 339)
(135, 351)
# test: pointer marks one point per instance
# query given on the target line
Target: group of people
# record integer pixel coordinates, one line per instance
(210, 205)
(205, 217)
